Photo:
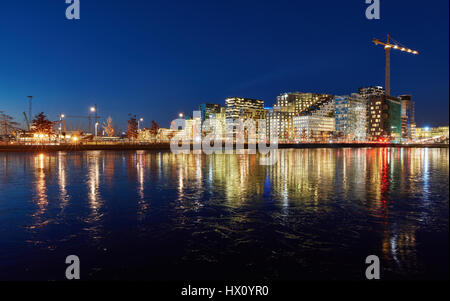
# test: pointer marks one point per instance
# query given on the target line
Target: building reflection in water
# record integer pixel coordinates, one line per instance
(41, 163)
(188, 175)
(407, 171)
(110, 165)
(310, 178)
(94, 219)
(94, 182)
(63, 196)
(140, 171)
(372, 183)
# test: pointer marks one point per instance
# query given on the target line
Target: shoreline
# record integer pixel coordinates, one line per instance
(166, 147)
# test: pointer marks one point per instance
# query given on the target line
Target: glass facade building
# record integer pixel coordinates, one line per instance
(244, 108)
(384, 118)
(350, 115)
(313, 128)
(238, 108)
(408, 118)
(208, 109)
(432, 132)
(289, 105)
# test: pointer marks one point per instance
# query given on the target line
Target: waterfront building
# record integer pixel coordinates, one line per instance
(146, 135)
(324, 107)
(165, 134)
(431, 132)
(317, 122)
(384, 118)
(220, 119)
(288, 105)
(279, 121)
(408, 118)
(243, 108)
(208, 109)
(238, 108)
(351, 117)
(192, 127)
(298, 102)
(313, 128)
(162, 135)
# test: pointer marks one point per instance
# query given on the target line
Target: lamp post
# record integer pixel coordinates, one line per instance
(181, 115)
(30, 103)
(61, 117)
(92, 110)
(139, 123)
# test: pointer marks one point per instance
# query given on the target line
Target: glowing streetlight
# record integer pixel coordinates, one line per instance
(92, 110)
(61, 117)
(181, 115)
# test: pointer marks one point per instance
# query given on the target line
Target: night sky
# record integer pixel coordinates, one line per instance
(158, 58)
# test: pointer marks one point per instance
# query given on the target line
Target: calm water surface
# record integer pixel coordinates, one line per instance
(316, 214)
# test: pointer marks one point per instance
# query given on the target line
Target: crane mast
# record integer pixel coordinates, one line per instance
(388, 45)
(27, 121)
(30, 104)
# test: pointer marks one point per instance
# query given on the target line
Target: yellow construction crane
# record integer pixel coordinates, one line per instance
(391, 43)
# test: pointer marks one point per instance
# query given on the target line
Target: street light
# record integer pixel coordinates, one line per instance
(139, 123)
(61, 117)
(181, 115)
(92, 110)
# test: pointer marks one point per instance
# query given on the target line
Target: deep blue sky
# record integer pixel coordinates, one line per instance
(158, 58)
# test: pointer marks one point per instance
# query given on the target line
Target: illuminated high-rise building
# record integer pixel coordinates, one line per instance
(298, 102)
(384, 118)
(316, 123)
(351, 115)
(288, 105)
(219, 128)
(244, 108)
(280, 122)
(208, 109)
(324, 107)
(408, 119)
(313, 128)
(238, 108)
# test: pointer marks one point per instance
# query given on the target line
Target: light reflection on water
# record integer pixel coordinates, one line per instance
(317, 213)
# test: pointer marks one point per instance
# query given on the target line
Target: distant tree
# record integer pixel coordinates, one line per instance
(132, 132)
(108, 127)
(7, 124)
(303, 134)
(154, 128)
(41, 124)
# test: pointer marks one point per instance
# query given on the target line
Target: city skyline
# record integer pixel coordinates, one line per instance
(67, 71)
(224, 148)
